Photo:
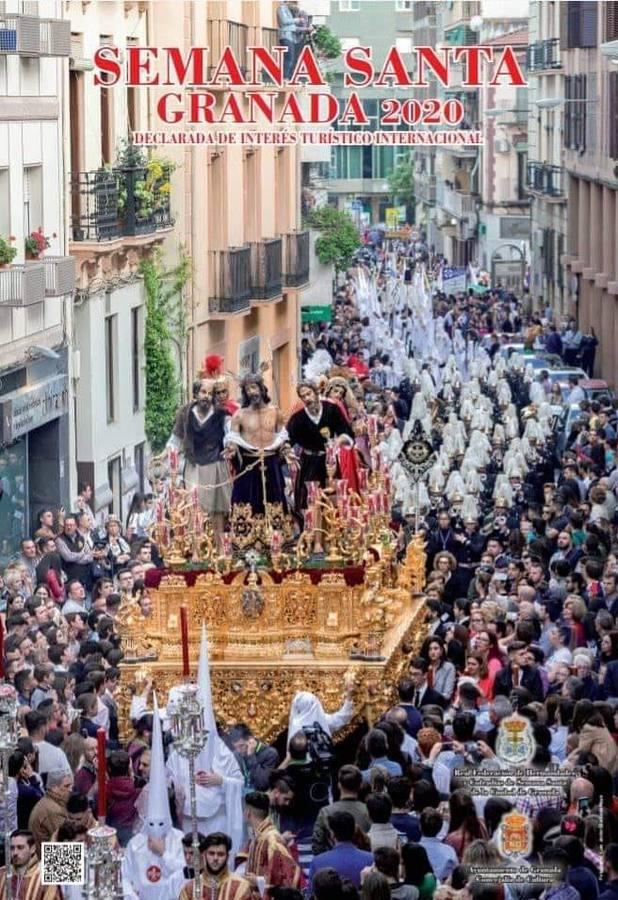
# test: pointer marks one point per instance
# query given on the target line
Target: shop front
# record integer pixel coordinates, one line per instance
(34, 448)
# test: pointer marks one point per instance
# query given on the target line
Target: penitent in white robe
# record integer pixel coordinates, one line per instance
(147, 872)
(218, 808)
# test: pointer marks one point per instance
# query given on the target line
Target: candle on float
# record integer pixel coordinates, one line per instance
(159, 511)
(341, 486)
(275, 543)
(312, 492)
(172, 458)
(372, 426)
(101, 776)
(362, 479)
(331, 455)
(195, 496)
(226, 543)
(309, 520)
(184, 636)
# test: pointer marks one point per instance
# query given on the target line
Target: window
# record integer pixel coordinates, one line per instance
(139, 458)
(613, 115)
(135, 357)
(107, 119)
(581, 23)
(522, 160)
(5, 206)
(403, 44)
(403, 5)
(575, 112)
(33, 207)
(110, 367)
(349, 5)
(113, 477)
(611, 21)
(347, 43)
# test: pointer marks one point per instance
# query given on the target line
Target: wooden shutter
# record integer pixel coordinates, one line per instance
(573, 29)
(568, 112)
(564, 25)
(588, 23)
(611, 21)
(613, 115)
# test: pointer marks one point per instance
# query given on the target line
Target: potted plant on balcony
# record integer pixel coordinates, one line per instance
(148, 178)
(35, 243)
(7, 253)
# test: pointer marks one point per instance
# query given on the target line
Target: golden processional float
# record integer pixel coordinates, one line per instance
(279, 619)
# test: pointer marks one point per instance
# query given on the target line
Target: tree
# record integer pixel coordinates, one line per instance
(401, 183)
(339, 239)
(164, 327)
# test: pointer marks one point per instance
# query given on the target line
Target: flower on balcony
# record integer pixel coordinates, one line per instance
(7, 253)
(36, 242)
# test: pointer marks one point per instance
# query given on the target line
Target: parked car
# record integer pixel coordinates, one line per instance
(597, 389)
(566, 417)
(562, 375)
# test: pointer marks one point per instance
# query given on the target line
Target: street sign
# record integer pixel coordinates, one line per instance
(316, 313)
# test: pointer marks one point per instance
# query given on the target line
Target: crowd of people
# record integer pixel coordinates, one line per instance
(521, 603)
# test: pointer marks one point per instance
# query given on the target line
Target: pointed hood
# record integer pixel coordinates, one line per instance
(158, 820)
(206, 757)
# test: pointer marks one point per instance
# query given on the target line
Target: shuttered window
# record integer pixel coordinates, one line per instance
(575, 112)
(581, 23)
(611, 21)
(613, 115)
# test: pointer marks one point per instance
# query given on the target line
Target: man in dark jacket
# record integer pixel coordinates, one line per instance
(517, 673)
(256, 760)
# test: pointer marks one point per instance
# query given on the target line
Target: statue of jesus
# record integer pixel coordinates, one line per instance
(257, 443)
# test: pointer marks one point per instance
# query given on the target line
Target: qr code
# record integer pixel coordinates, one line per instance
(63, 863)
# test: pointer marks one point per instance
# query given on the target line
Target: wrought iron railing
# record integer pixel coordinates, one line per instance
(238, 40)
(545, 179)
(230, 280)
(266, 269)
(113, 203)
(296, 258)
(425, 187)
(22, 285)
(543, 55)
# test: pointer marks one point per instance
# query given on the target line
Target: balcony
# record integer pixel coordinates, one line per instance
(110, 204)
(20, 35)
(456, 203)
(22, 285)
(542, 178)
(425, 188)
(296, 258)
(231, 280)
(59, 274)
(543, 55)
(266, 269)
(270, 38)
(55, 37)
(222, 33)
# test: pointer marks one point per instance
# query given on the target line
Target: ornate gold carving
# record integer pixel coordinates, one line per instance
(302, 637)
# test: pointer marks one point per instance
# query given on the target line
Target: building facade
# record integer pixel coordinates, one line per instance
(545, 178)
(358, 176)
(121, 209)
(238, 215)
(36, 422)
(589, 50)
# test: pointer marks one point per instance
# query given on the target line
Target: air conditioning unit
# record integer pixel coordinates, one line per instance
(501, 146)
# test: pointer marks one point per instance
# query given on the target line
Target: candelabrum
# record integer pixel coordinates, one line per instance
(190, 736)
(103, 865)
(9, 736)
